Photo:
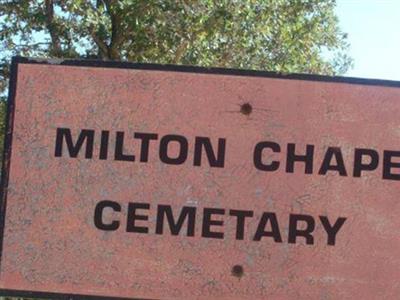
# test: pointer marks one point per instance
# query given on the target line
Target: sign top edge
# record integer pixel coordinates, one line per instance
(204, 70)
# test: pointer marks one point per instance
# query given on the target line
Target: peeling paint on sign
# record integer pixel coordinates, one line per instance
(164, 182)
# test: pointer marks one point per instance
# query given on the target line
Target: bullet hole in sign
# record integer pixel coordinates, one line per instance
(237, 271)
(246, 108)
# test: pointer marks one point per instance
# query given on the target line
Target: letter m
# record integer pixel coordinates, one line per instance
(187, 212)
(64, 134)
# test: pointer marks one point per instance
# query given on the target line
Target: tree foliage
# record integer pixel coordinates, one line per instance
(277, 35)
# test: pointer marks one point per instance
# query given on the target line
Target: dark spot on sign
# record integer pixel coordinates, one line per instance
(237, 271)
(246, 108)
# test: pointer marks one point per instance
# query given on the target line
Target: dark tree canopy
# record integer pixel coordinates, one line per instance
(277, 35)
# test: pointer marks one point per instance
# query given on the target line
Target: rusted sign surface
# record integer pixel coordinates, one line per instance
(144, 181)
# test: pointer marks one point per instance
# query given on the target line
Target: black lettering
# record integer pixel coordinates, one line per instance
(214, 160)
(85, 135)
(98, 215)
(294, 232)
(358, 161)
(104, 144)
(119, 148)
(332, 230)
(326, 164)
(183, 149)
(240, 215)
(146, 138)
(388, 165)
(187, 212)
(292, 157)
(132, 217)
(257, 156)
(208, 222)
(275, 233)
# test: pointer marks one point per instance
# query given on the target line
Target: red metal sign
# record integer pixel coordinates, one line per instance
(148, 181)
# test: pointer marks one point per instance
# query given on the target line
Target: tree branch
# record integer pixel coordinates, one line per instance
(103, 48)
(4, 71)
(180, 51)
(116, 31)
(51, 26)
